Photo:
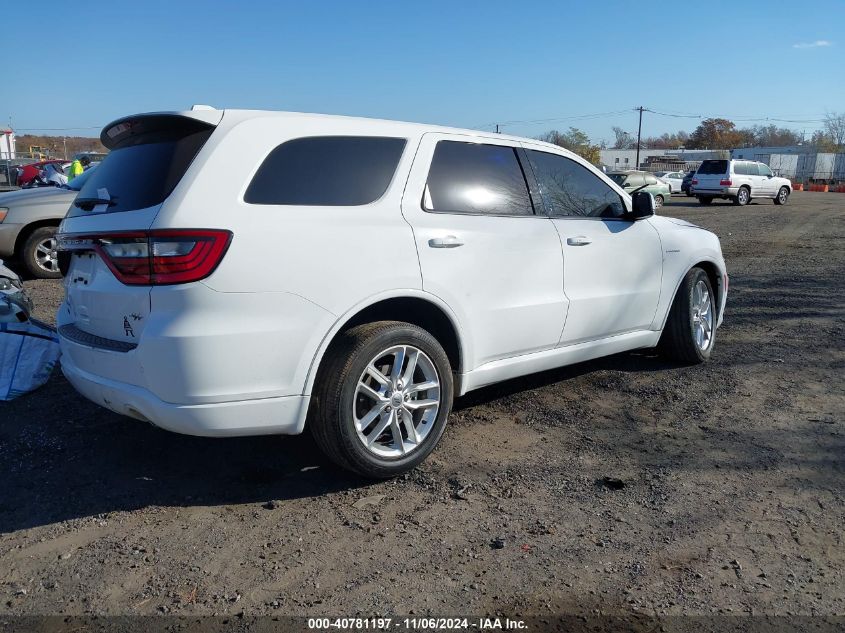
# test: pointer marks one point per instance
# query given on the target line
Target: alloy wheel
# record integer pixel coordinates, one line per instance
(702, 315)
(396, 402)
(45, 255)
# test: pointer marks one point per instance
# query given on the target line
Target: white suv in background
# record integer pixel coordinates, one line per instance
(739, 181)
(241, 272)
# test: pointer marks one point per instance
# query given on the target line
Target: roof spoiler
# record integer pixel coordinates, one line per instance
(120, 132)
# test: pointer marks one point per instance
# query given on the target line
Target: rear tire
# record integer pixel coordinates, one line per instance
(783, 196)
(690, 330)
(39, 253)
(359, 391)
(705, 200)
(743, 196)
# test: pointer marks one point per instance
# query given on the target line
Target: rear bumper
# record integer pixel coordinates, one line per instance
(716, 192)
(264, 416)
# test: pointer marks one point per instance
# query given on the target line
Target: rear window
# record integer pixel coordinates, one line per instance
(713, 167)
(327, 171)
(148, 159)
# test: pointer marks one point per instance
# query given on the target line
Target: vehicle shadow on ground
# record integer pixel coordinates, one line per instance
(63, 458)
(74, 459)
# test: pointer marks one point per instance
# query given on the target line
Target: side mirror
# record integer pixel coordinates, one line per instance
(643, 205)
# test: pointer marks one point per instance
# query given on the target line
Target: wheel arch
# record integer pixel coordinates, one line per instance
(29, 229)
(714, 274)
(416, 307)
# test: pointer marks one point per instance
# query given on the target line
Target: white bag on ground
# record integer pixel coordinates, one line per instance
(28, 354)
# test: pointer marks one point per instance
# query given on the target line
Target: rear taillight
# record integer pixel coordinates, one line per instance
(156, 257)
(725, 182)
(695, 181)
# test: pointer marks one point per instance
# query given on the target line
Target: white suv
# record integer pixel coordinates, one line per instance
(740, 181)
(243, 272)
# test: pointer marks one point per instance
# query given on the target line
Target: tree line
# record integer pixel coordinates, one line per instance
(54, 146)
(710, 134)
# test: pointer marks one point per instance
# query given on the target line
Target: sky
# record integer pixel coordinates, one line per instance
(530, 66)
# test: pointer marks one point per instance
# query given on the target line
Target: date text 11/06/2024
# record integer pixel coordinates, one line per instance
(412, 624)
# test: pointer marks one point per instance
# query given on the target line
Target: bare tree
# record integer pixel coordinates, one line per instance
(623, 139)
(834, 126)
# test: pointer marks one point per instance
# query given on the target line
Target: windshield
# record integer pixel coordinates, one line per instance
(713, 167)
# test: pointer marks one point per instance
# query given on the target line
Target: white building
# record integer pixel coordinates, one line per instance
(751, 153)
(627, 158)
(7, 144)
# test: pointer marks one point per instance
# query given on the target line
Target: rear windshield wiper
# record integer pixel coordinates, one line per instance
(86, 204)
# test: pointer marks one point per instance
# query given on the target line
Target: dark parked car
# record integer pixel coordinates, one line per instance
(686, 183)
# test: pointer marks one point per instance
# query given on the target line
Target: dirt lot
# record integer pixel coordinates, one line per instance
(731, 473)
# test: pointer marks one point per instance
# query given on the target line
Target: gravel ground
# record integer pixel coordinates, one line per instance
(620, 486)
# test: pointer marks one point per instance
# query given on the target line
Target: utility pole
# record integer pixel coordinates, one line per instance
(497, 128)
(64, 140)
(639, 131)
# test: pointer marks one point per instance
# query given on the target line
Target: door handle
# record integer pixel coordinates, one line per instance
(578, 241)
(450, 241)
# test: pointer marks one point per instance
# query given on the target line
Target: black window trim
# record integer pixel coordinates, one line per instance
(547, 211)
(260, 163)
(525, 177)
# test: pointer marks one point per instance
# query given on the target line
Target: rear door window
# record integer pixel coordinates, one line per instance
(475, 178)
(148, 159)
(753, 169)
(570, 189)
(331, 171)
(713, 167)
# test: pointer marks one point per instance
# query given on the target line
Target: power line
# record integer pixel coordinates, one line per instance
(57, 129)
(735, 118)
(661, 112)
(576, 117)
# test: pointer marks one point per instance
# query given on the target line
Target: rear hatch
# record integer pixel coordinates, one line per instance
(710, 175)
(108, 255)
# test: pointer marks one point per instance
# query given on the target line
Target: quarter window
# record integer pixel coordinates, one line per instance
(326, 171)
(477, 179)
(570, 189)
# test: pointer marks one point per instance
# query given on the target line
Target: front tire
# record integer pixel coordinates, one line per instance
(783, 196)
(39, 253)
(658, 201)
(690, 330)
(743, 196)
(382, 398)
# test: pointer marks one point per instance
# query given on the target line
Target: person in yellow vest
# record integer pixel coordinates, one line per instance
(77, 167)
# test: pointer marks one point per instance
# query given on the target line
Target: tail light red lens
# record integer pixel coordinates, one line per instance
(156, 257)
(695, 181)
(725, 182)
